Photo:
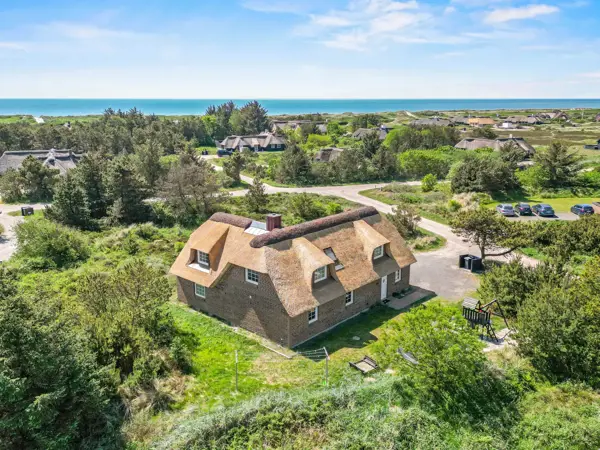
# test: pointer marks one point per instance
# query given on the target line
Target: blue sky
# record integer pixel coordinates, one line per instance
(300, 49)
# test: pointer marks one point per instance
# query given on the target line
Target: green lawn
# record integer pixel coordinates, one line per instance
(16, 119)
(36, 212)
(213, 345)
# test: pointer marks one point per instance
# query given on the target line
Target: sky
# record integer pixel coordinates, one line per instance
(300, 49)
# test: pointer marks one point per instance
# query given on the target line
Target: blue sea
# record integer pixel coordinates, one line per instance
(79, 107)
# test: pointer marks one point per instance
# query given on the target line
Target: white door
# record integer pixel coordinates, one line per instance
(384, 288)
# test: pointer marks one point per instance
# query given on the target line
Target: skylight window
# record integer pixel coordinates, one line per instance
(329, 252)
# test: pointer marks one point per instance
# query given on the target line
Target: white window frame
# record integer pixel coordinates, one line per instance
(315, 313)
(204, 265)
(317, 274)
(196, 286)
(398, 276)
(346, 302)
(250, 274)
(376, 252)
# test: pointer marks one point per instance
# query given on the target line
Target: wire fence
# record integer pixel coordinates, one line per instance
(248, 357)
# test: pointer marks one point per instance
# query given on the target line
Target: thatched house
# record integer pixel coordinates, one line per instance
(63, 160)
(523, 120)
(496, 144)
(598, 117)
(290, 284)
(554, 115)
(328, 154)
(434, 121)
(481, 121)
(382, 132)
(280, 125)
(260, 142)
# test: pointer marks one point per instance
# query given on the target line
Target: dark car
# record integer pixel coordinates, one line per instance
(222, 152)
(505, 209)
(523, 209)
(582, 210)
(543, 210)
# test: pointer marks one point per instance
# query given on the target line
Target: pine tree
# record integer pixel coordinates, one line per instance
(70, 205)
(256, 197)
(90, 173)
(295, 165)
(127, 193)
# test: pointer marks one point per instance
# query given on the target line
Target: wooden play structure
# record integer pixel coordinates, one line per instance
(480, 316)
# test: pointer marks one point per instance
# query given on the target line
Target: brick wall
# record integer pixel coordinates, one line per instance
(253, 307)
(258, 309)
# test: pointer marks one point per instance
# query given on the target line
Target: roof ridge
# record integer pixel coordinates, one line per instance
(295, 231)
(231, 219)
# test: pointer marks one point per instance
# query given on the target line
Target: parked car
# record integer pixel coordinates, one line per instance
(582, 210)
(222, 152)
(505, 209)
(523, 209)
(543, 210)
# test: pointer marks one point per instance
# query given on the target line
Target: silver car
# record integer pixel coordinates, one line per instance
(506, 210)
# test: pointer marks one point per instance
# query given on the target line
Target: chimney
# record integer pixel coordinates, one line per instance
(273, 221)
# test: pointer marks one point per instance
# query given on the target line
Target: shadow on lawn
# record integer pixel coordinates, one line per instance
(361, 326)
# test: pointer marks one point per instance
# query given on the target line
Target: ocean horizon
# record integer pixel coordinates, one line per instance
(172, 107)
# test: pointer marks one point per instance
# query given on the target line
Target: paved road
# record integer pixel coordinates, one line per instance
(7, 240)
(435, 271)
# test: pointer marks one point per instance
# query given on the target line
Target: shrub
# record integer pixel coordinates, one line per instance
(418, 163)
(334, 208)
(406, 220)
(55, 245)
(454, 205)
(429, 182)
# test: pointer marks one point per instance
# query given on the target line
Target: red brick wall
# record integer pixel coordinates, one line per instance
(253, 307)
(258, 309)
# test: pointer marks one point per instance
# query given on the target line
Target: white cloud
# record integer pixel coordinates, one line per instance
(395, 21)
(86, 31)
(449, 55)
(354, 40)
(330, 21)
(591, 75)
(449, 10)
(266, 6)
(525, 12)
(12, 46)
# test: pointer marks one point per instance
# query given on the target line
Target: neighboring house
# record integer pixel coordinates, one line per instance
(554, 115)
(460, 120)
(259, 142)
(322, 128)
(593, 146)
(496, 144)
(523, 120)
(362, 132)
(598, 117)
(290, 284)
(435, 121)
(481, 121)
(62, 160)
(279, 125)
(328, 154)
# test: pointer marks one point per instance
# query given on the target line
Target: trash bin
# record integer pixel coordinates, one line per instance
(26, 210)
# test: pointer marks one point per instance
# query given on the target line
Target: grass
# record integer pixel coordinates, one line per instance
(415, 194)
(420, 245)
(36, 212)
(16, 119)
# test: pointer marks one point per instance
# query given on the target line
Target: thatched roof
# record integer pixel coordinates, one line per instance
(62, 160)
(496, 144)
(262, 140)
(328, 154)
(481, 121)
(289, 256)
(362, 132)
(435, 121)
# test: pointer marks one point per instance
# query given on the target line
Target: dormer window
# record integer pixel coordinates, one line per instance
(329, 252)
(378, 252)
(203, 260)
(320, 274)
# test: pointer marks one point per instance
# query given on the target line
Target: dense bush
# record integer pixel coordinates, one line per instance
(48, 245)
(53, 394)
(418, 163)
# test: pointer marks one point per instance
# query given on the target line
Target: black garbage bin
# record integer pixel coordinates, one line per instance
(26, 210)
